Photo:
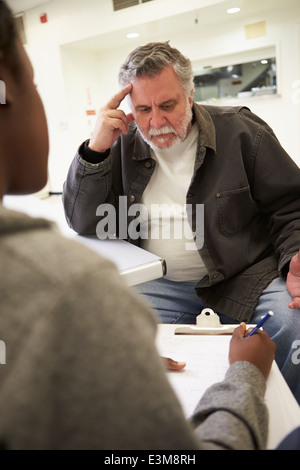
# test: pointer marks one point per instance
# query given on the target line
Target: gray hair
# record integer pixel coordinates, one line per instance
(151, 59)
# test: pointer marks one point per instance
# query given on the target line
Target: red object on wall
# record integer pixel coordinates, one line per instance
(44, 18)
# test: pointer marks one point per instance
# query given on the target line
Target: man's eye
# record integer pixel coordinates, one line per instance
(167, 107)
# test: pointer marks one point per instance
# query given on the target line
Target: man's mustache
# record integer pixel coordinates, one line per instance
(162, 130)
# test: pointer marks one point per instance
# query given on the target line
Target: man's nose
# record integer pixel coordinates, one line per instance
(157, 119)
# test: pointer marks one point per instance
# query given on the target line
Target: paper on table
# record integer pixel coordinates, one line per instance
(206, 360)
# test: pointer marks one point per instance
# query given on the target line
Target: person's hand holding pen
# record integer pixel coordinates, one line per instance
(258, 349)
(251, 345)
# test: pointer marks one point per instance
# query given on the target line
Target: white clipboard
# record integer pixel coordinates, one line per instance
(207, 323)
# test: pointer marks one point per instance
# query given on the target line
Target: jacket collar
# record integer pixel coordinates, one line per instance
(207, 134)
(207, 131)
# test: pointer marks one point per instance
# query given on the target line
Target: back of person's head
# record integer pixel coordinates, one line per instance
(8, 37)
(23, 127)
(151, 59)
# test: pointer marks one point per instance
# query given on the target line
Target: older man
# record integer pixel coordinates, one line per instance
(172, 153)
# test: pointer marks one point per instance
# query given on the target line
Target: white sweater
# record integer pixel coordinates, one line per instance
(165, 228)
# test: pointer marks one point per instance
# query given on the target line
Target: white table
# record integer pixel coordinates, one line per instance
(206, 358)
(135, 264)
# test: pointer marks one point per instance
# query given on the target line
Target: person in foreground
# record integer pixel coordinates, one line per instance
(82, 370)
(207, 188)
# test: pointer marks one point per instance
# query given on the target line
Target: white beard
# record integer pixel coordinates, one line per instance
(181, 135)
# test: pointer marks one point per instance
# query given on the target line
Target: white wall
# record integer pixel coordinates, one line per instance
(283, 31)
(74, 75)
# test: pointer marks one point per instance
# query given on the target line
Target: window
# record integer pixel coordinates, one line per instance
(247, 79)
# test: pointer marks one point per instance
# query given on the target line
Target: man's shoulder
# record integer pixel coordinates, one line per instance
(234, 115)
(216, 110)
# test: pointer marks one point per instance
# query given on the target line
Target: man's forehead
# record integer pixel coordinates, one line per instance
(144, 95)
(163, 86)
(158, 101)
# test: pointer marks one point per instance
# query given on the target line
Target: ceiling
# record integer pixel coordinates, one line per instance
(19, 6)
(168, 27)
(185, 22)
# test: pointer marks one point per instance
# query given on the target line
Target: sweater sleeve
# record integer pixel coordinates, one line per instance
(232, 414)
(83, 371)
(92, 156)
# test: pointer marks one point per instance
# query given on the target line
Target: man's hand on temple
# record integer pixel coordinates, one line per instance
(111, 122)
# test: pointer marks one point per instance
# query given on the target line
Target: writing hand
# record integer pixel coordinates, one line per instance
(258, 349)
(111, 122)
(293, 281)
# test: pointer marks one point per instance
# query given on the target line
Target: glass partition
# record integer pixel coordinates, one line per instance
(255, 78)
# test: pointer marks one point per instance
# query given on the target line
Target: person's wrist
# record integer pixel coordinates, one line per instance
(96, 148)
(91, 155)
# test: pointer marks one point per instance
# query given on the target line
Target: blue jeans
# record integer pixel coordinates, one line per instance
(177, 302)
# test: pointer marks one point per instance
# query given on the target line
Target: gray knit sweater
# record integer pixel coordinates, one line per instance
(82, 371)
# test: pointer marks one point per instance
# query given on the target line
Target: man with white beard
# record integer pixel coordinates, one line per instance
(242, 258)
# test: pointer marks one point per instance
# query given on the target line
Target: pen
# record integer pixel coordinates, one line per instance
(262, 321)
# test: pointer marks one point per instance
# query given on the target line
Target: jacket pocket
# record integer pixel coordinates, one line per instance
(236, 209)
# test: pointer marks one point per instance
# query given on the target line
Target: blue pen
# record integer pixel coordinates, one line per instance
(262, 321)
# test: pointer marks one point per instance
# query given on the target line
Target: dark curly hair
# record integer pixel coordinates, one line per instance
(8, 36)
